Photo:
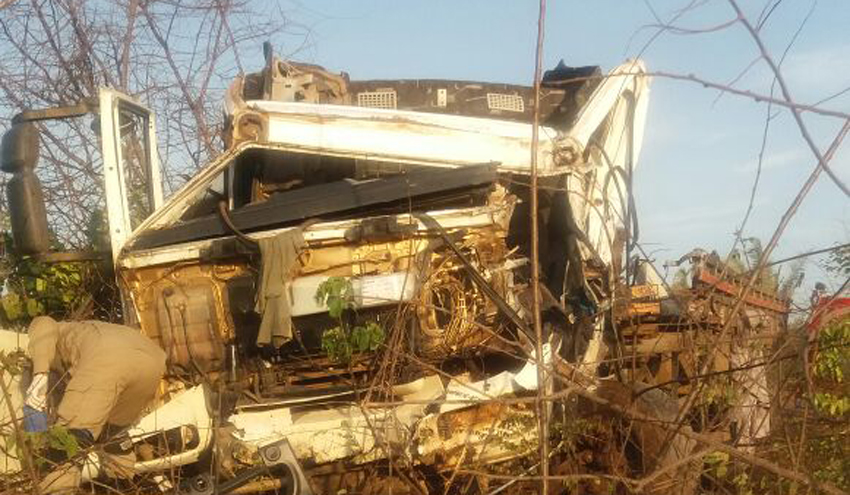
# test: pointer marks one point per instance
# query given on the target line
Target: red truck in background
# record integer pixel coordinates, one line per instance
(826, 309)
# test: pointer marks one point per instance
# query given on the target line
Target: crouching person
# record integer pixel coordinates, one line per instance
(114, 373)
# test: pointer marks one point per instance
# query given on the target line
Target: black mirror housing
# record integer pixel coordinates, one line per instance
(27, 211)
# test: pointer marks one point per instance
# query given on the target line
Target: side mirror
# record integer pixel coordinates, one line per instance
(27, 212)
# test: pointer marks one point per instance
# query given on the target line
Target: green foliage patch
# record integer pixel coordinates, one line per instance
(31, 288)
(342, 342)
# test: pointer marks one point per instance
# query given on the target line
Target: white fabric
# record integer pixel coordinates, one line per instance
(37, 392)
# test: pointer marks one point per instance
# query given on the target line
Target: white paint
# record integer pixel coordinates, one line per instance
(400, 134)
(620, 104)
(344, 431)
(368, 291)
(117, 201)
(188, 408)
(461, 394)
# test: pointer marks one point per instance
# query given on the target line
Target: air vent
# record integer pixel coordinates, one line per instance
(507, 103)
(378, 99)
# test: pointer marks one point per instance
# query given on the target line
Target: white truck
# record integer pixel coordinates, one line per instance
(412, 196)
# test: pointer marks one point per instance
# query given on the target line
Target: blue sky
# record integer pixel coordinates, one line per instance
(700, 150)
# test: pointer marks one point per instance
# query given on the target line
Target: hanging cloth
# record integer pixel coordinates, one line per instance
(279, 260)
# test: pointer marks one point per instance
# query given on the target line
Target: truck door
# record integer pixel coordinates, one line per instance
(132, 179)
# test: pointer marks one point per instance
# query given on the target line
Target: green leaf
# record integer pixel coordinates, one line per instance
(60, 438)
(12, 307)
(337, 294)
(34, 308)
(336, 345)
(335, 307)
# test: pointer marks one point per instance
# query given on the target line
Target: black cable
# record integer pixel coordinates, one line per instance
(222, 212)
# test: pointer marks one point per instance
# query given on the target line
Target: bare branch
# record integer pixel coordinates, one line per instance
(804, 131)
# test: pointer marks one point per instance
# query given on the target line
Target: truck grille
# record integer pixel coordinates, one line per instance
(378, 99)
(507, 103)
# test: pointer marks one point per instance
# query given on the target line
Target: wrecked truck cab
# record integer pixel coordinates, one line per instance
(407, 203)
(368, 175)
(423, 212)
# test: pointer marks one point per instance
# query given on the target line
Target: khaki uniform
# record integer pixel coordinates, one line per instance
(114, 372)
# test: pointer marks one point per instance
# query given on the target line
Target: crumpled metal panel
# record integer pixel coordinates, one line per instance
(341, 432)
(481, 434)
